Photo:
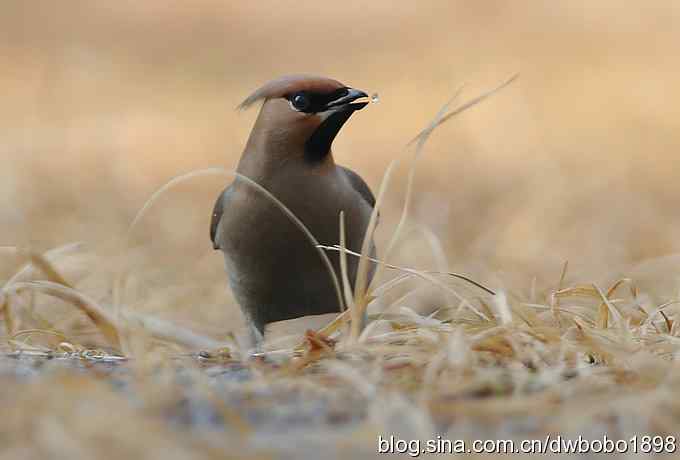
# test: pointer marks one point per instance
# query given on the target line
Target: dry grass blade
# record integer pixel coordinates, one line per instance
(43, 262)
(389, 284)
(421, 139)
(420, 274)
(337, 323)
(347, 287)
(462, 278)
(46, 267)
(586, 290)
(172, 333)
(25, 332)
(436, 248)
(8, 316)
(167, 186)
(100, 316)
(225, 172)
(657, 310)
(604, 308)
(619, 283)
(441, 117)
(607, 307)
(554, 300)
(413, 271)
(411, 176)
(343, 317)
(669, 322)
(471, 103)
(38, 331)
(360, 288)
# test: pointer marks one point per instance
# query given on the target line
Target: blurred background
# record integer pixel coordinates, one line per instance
(103, 102)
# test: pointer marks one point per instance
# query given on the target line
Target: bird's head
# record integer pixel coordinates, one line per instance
(302, 113)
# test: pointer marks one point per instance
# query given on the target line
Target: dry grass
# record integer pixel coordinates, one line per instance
(579, 359)
(126, 344)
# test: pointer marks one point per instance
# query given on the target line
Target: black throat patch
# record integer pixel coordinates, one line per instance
(319, 143)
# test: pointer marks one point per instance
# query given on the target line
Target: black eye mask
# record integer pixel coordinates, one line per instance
(310, 102)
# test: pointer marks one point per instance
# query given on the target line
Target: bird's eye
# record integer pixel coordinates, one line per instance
(300, 101)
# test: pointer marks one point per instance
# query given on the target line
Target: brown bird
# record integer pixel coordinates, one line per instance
(274, 271)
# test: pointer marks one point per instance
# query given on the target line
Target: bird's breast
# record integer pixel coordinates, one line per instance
(258, 237)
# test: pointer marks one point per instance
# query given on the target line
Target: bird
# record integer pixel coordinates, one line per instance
(274, 272)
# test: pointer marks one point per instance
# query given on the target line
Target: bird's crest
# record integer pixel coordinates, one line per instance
(290, 84)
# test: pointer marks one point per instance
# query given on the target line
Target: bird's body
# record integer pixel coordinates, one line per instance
(274, 270)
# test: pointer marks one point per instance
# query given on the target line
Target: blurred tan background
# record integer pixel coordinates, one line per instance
(102, 102)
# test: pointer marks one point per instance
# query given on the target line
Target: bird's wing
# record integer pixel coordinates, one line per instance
(216, 217)
(359, 185)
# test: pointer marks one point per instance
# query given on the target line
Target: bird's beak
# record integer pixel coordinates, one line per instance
(354, 100)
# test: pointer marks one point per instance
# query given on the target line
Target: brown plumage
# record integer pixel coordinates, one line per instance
(274, 271)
